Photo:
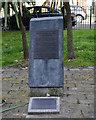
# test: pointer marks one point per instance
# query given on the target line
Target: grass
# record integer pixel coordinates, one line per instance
(12, 52)
(83, 46)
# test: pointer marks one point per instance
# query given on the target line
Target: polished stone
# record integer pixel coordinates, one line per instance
(46, 68)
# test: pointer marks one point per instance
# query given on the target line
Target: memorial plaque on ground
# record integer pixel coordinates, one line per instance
(44, 104)
(46, 52)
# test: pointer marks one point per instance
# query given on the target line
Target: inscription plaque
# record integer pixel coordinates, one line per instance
(46, 44)
(44, 105)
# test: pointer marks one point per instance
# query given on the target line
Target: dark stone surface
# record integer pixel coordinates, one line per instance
(46, 44)
(48, 103)
(46, 70)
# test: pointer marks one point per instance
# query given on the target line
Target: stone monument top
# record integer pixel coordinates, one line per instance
(46, 52)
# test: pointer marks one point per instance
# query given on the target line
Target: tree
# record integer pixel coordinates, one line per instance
(66, 7)
(16, 6)
(70, 47)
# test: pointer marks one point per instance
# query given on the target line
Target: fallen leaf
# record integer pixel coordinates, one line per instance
(77, 47)
(69, 60)
(47, 94)
(87, 71)
(16, 60)
(11, 47)
(5, 44)
(24, 68)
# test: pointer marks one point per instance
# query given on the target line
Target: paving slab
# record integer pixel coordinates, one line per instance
(77, 100)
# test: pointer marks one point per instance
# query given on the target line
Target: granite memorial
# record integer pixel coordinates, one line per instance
(46, 69)
(46, 53)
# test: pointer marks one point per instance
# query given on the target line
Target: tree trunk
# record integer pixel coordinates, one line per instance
(24, 41)
(70, 47)
(23, 30)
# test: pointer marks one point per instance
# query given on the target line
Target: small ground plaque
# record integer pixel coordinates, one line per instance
(44, 105)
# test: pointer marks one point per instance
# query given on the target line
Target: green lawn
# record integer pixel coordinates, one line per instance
(83, 46)
(12, 52)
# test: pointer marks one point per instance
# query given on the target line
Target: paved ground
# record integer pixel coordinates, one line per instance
(77, 100)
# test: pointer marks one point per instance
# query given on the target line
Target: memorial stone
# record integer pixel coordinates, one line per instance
(46, 53)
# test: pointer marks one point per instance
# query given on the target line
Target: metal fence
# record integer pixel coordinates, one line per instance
(88, 23)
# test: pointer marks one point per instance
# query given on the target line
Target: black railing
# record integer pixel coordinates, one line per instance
(87, 23)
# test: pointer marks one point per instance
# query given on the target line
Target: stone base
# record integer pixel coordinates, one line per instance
(42, 92)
